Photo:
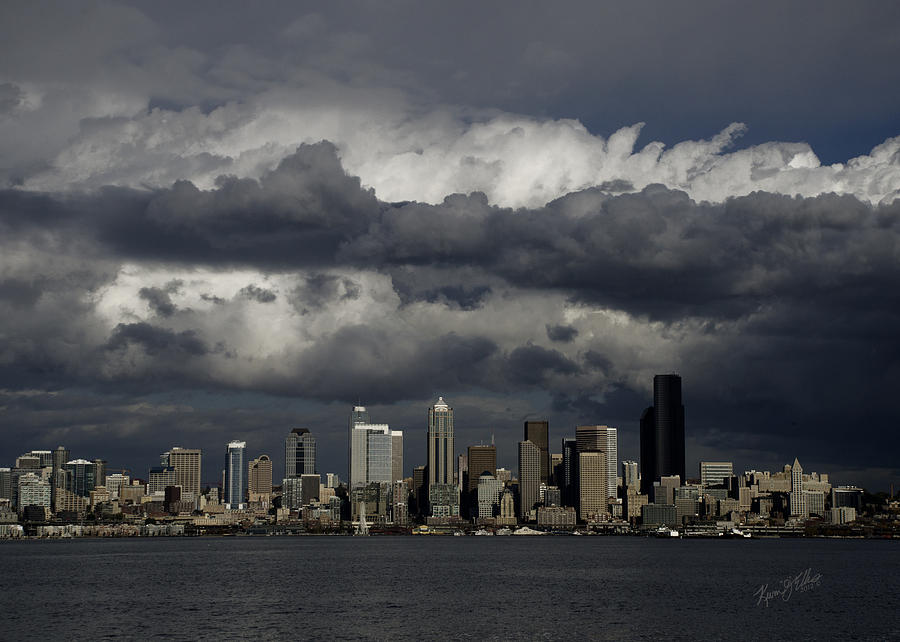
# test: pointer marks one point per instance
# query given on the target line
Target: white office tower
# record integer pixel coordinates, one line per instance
(376, 451)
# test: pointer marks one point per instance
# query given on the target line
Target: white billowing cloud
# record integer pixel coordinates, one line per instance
(406, 154)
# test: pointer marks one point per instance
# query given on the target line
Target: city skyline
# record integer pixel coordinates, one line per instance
(184, 463)
(239, 221)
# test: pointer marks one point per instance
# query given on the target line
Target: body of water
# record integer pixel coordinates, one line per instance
(449, 588)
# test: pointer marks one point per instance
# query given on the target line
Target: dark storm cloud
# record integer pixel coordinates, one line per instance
(258, 294)
(159, 299)
(676, 66)
(319, 289)
(561, 333)
(360, 362)
(531, 364)
(157, 342)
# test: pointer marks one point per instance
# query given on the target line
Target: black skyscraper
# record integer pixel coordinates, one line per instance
(662, 433)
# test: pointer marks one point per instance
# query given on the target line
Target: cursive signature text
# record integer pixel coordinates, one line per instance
(800, 583)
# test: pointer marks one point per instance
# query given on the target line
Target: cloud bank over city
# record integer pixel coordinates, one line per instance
(223, 233)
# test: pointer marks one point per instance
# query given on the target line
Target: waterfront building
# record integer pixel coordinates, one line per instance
(841, 515)
(100, 471)
(444, 500)
(58, 473)
(60, 457)
(556, 472)
(538, 433)
(28, 461)
(299, 453)
(664, 490)
(33, 491)
(659, 514)
(6, 484)
(556, 517)
(81, 477)
(606, 440)
(662, 432)
(420, 488)
(259, 480)
(630, 477)
(687, 507)
(632, 503)
(507, 509)
(569, 482)
(815, 502)
(309, 488)
(488, 489)
(849, 496)
(292, 493)
(797, 498)
(550, 496)
(116, 481)
(593, 477)
(372, 450)
(187, 465)
(462, 473)
(377, 500)
(399, 503)
(715, 473)
(396, 455)
(44, 458)
(159, 478)
(482, 459)
(234, 475)
(358, 415)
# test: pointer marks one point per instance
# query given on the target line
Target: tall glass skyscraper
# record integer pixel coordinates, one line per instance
(662, 433)
(81, 476)
(441, 444)
(234, 475)
(299, 453)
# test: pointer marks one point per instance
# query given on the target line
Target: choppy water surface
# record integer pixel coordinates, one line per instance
(449, 588)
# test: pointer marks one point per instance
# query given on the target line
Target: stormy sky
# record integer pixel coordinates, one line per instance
(224, 221)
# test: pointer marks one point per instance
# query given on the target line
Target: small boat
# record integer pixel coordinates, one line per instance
(665, 531)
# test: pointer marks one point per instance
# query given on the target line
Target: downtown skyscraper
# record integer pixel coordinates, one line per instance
(235, 479)
(441, 443)
(662, 433)
(529, 477)
(299, 453)
(538, 433)
(601, 439)
(376, 451)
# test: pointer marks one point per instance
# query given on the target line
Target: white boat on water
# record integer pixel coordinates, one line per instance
(528, 531)
(481, 531)
(736, 532)
(665, 531)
